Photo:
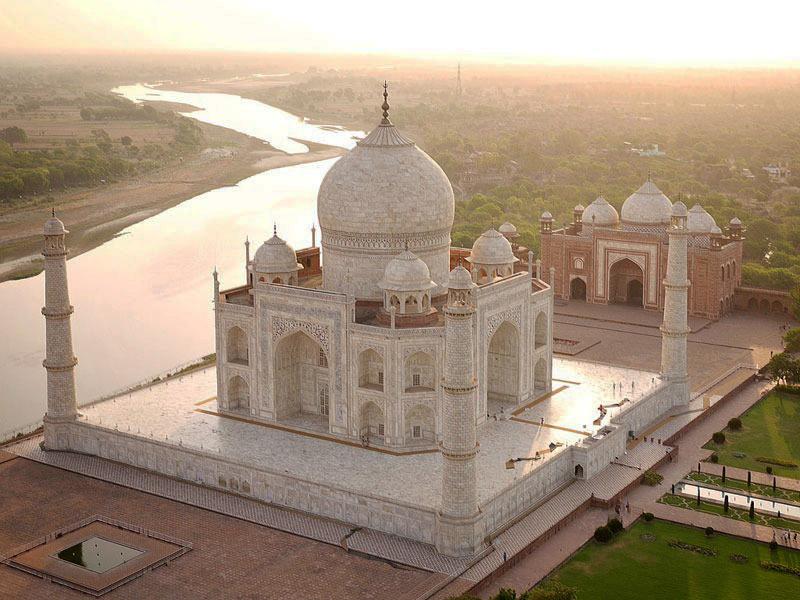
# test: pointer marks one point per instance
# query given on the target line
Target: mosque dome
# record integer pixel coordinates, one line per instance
(699, 220)
(492, 248)
(716, 230)
(54, 226)
(381, 195)
(508, 229)
(406, 273)
(647, 206)
(460, 279)
(275, 256)
(600, 213)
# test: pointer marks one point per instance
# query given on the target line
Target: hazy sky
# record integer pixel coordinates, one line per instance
(684, 32)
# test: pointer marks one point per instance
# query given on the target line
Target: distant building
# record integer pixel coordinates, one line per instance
(603, 260)
(649, 150)
(779, 173)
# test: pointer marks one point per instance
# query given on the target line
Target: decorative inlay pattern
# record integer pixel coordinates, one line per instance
(395, 242)
(283, 325)
(514, 315)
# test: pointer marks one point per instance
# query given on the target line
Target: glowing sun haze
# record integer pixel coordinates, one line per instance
(680, 32)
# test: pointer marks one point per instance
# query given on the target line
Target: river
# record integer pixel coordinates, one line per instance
(143, 301)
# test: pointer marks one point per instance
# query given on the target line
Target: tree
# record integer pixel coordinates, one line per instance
(13, 135)
(126, 140)
(795, 294)
(735, 424)
(782, 367)
(603, 534)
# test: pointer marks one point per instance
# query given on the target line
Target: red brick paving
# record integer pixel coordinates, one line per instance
(231, 558)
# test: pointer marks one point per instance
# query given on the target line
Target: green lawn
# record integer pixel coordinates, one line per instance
(640, 564)
(770, 428)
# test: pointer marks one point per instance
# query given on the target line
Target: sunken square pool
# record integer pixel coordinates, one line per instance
(98, 555)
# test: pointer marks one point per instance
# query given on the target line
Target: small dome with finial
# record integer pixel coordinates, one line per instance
(275, 256)
(54, 226)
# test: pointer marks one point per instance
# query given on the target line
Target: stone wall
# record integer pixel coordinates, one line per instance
(193, 465)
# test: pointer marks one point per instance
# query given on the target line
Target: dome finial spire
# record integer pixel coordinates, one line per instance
(385, 105)
(274, 228)
(53, 211)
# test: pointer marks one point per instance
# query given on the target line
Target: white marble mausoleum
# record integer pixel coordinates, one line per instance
(378, 379)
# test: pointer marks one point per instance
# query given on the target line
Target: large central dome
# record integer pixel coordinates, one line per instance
(383, 194)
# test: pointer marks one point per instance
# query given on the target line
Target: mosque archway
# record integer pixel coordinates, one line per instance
(579, 471)
(626, 282)
(502, 372)
(577, 289)
(238, 394)
(298, 375)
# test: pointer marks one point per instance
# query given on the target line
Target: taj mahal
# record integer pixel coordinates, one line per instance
(386, 380)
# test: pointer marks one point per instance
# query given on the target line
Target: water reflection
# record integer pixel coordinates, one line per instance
(280, 128)
(143, 300)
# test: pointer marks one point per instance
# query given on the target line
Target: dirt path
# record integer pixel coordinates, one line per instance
(96, 215)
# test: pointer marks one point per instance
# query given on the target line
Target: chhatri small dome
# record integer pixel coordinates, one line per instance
(647, 206)
(699, 220)
(679, 209)
(460, 279)
(492, 248)
(600, 213)
(735, 221)
(579, 208)
(546, 216)
(406, 273)
(716, 230)
(54, 226)
(508, 229)
(275, 256)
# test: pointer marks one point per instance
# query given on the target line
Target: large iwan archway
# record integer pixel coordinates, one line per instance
(626, 283)
(502, 368)
(298, 376)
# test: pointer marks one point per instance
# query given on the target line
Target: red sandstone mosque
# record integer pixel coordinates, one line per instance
(603, 259)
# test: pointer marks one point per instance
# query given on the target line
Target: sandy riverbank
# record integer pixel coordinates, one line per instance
(96, 215)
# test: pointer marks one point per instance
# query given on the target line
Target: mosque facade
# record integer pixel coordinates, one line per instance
(387, 341)
(601, 258)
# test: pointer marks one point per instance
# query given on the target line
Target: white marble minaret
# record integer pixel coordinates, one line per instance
(60, 360)
(675, 328)
(460, 530)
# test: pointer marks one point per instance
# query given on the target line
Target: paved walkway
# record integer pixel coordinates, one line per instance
(786, 483)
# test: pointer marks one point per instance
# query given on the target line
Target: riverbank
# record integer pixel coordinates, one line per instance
(97, 215)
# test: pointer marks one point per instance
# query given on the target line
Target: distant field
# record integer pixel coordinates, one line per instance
(639, 564)
(51, 126)
(770, 429)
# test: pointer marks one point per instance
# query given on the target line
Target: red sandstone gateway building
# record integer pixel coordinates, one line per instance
(602, 259)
